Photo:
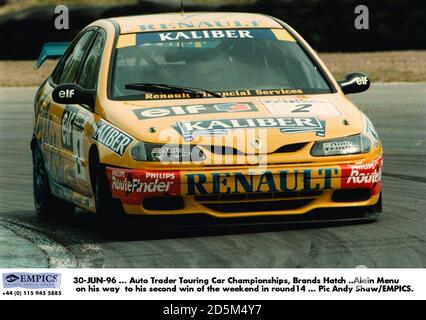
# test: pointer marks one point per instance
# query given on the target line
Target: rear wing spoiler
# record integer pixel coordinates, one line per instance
(52, 50)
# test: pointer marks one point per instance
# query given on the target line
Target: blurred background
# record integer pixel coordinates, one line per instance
(397, 33)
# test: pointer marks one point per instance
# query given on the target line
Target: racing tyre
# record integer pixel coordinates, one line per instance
(109, 211)
(378, 206)
(48, 207)
(375, 211)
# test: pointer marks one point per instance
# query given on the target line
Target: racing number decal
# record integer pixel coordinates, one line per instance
(289, 106)
(72, 136)
(302, 108)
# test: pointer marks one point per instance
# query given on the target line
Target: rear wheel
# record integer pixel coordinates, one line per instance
(48, 207)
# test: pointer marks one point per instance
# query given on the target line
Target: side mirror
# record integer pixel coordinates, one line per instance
(354, 83)
(70, 93)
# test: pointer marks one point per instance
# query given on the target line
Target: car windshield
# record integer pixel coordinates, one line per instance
(231, 62)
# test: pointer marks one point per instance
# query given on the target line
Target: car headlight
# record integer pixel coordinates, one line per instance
(360, 143)
(166, 152)
(371, 131)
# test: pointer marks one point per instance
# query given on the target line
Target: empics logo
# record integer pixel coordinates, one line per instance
(11, 278)
(31, 280)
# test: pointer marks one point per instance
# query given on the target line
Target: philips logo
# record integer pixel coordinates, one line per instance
(31, 280)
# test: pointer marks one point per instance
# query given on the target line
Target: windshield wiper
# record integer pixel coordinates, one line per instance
(165, 88)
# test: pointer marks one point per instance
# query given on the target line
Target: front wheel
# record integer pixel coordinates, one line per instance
(48, 207)
(375, 211)
(109, 211)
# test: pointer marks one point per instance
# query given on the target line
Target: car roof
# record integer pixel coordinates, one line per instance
(193, 20)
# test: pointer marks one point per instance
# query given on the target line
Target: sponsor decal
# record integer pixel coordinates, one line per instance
(67, 125)
(361, 81)
(203, 37)
(225, 94)
(302, 106)
(72, 136)
(160, 112)
(191, 129)
(237, 107)
(111, 137)
(128, 29)
(264, 181)
(171, 153)
(49, 137)
(132, 186)
(340, 147)
(204, 25)
(31, 280)
(205, 34)
(80, 122)
(364, 175)
(276, 92)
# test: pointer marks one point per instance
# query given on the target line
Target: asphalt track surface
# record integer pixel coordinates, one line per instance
(398, 239)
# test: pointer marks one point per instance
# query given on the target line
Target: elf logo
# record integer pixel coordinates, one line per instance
(361, 81)
(160, 112)
(68, 93)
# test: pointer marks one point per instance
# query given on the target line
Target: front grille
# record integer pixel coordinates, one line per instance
(351, 195)
(163, 203)
(291, 148)
(224, 151)
(256, 202)
(258, 206)
(257, 196)
(227, 151)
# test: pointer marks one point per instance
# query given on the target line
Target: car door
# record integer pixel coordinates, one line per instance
(76, 125)
(61, 164)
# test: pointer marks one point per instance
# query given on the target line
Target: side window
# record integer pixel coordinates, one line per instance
(72, 62)
(90, 71)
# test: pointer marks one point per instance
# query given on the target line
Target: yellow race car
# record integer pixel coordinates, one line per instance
(224, 114)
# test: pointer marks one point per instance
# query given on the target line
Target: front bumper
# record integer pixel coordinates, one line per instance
(242, 192)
